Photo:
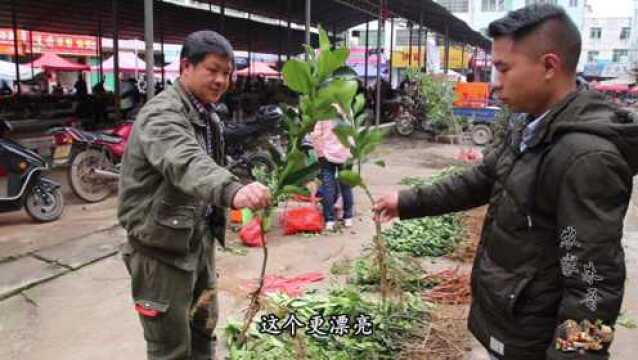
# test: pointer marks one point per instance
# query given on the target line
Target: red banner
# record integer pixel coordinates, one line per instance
(47, 42)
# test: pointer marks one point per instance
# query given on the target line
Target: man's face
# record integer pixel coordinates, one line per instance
(522, 80)
(209, 79)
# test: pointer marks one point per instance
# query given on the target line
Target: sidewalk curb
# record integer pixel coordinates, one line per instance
(47, 264)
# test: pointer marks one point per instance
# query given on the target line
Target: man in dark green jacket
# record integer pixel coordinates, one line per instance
(558, 188)
(174, 192)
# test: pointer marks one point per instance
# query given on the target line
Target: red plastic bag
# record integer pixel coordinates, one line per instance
(251, 234)
(302, 219)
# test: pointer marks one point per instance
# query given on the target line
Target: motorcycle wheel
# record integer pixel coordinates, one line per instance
(262, 160)
(405, 125)
(481, 134)
(82, 180)
(44, 205)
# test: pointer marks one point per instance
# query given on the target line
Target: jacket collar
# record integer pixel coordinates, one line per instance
(555, 115)
(191, 111)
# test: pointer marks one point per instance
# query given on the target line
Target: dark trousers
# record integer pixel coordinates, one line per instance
(330, 189)
(178, 309)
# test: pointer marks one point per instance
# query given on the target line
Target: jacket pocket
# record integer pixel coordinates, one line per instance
(153, 317)
(499, 289)
(170, 228)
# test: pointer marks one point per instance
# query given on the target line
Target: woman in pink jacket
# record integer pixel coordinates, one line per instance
(332, 155)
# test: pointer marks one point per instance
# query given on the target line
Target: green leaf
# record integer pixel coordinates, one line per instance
(302, 176)
(297, 76)
(358, 104)
(324, 40)
(380, 163)
(338, 91)
(295, 189)
(344, 133)
(345, 73)
(351, 178)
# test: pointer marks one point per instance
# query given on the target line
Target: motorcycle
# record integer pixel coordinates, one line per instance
(398, 109)
(249, 144)
(95, 158)
(26, 187)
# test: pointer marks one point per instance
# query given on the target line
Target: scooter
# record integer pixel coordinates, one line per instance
(26, 187)
(95, 159)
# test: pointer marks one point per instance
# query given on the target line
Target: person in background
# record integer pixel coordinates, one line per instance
(332, 156)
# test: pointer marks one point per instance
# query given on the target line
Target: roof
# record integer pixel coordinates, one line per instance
(172, 22)
(341, 15)
(127, 62)
(50, 61)
(258, 68)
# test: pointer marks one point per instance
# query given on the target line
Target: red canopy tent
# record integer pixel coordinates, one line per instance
(258, 68)
(52, 62)
(611, 87)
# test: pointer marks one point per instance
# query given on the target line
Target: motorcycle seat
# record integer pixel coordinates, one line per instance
(110, 139)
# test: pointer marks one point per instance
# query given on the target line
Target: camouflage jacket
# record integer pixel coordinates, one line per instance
(168, 180)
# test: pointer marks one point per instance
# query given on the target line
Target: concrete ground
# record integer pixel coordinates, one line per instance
(81, 306)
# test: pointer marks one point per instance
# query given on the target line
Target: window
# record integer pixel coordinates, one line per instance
(493, 5)
(595, 33)
(592, 56)
(456, 5)
(403, 37)
(620, 55)
(573, 3)
(624, 33)
(530, 2)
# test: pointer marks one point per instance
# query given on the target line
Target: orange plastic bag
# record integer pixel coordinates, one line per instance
(302, 219)
(251, 234)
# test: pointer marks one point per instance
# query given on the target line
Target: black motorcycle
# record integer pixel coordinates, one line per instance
(250, 143)
(24, 184)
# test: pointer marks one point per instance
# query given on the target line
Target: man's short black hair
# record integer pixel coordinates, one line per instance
(557, 32)
(202, 43)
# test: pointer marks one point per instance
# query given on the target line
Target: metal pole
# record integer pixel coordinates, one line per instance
(391, 47)
(425, 52)
(14, 21)
(380, 28)
(365, 74)
(463, 56)
(308, 15)
(447, 48)
(159, 19)
(116, 58)
(150, 51)
(419, 40)
(31, 52)
(288, 32)
(410, 45)
(280, 43)
(334, 36)
(99, 50)
(223, 13)
(250, 54)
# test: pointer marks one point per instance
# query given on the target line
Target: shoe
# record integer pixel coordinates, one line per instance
(347, 223)
(330, 225)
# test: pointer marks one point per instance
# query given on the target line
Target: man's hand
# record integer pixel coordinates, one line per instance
(386, 207)
(253, 196)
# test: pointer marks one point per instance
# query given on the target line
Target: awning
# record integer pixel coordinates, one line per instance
(128, 62)
(258, 68)
(8, 71)
(611, 88)
(172, 23)
(341, 15)
(52, 62)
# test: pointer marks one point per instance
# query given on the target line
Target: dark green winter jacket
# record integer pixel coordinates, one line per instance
(168, 180)
(550, 248)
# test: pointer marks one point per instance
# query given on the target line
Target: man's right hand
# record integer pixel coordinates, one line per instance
(386, 207)
(253, 196)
